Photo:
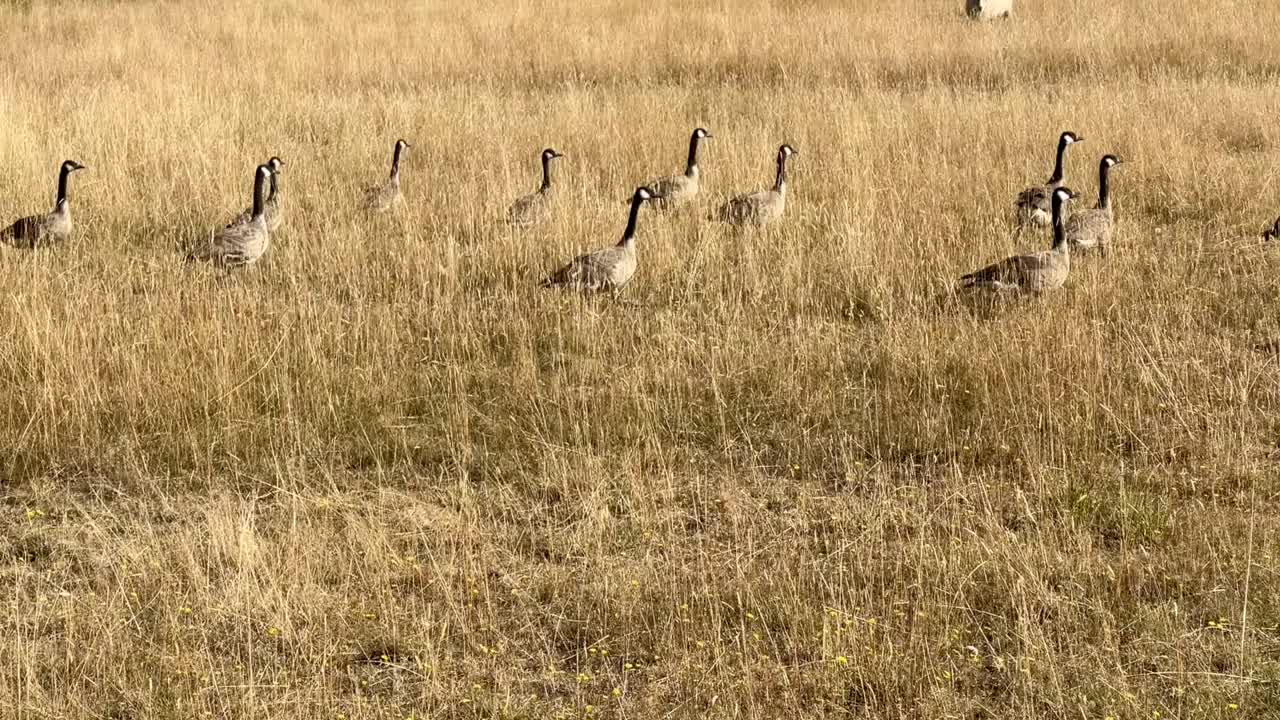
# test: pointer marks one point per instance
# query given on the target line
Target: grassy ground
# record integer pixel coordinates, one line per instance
(382, 475)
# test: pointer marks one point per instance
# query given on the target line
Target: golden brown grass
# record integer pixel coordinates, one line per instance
(383, 476)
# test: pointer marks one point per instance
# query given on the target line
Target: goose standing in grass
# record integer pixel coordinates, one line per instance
(676, 190)
(1092, 228)
(245, 243)
(1035, 272)
(536, 207)
(50, 229)
(1272, 233)
(988, 9)
(385, 196)
(1033, 204)
(271, 211)
(608, 269)
(760, 208)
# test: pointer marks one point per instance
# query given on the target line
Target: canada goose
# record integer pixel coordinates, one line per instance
(988, 9)
(1272, 232)
(1092, 228)
(40, 230)
(1035, 272)
(271, 211)
(383, 197)
(676, 190)
(607, 269)
(759, 208)
(1033, 204)
(537, 207)
(245, 243)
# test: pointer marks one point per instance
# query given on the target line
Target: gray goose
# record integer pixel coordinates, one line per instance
(51, 228)
(1034, 272)
(384, 196)
(271, 211)
(676, 190)
(1033, 204)
(1092, 228)
(608, 269)
(536, 207)
(243, 244)
(760, 208)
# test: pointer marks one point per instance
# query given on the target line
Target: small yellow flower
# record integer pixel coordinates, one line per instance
(842, 660)
(1233, 706)
(617, 692)
(273, 631)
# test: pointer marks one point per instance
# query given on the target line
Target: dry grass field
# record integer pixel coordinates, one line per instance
(789, 474)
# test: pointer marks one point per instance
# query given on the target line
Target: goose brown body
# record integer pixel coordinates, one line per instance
(675, 190)
(245, 243)
(1093, 228)
(1033, 272)
(1034, 204)
(608, 269)
(386, 195)
(52, 228)
(537, 207)
(760, 208)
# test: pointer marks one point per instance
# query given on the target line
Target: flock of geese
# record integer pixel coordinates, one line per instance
(247, 237)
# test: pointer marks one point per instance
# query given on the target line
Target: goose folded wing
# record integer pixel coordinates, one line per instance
(1034, 197)
(1010, 271)
(24, 232)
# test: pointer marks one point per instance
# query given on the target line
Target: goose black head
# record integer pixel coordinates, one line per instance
(550, 154)
(275, 164)
(1063, 194)
(1111, 160)
(701, 133)
(1070, 138)
(786, 151)
(643, 193)
(70, 166)
(403, 144)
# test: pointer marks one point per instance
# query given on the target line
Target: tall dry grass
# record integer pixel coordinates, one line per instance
(382, 475)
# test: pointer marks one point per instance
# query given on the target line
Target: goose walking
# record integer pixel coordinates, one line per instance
(608, 269)
(676, 190)
(386, 195)
(246, 243)
(1092, 228)
(536, 207)
(1033, 204)
(271, 211)
(52, 228)
(760, 208)
(1035, 272)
